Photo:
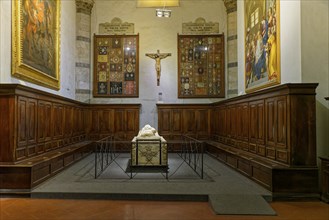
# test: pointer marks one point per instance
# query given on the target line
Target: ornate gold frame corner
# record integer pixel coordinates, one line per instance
(28, 71)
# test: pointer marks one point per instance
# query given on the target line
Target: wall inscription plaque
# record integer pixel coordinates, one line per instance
(116, 27)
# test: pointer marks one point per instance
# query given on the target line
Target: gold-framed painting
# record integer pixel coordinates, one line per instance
(262, 44)
(36, 42)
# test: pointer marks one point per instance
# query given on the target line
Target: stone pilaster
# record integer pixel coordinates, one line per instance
(83, 57)
(232, 47)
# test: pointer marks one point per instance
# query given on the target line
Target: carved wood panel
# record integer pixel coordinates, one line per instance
(202, 123)
(189, 121)
(177, 121)
(281, 111)
(21, 122)
(243, 121)
(119, 122)
(32, 121)
(58, 121)
(106, 121)
(132, 123)
(44, 121)
(256, 131)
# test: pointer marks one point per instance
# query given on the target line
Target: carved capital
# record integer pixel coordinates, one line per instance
(231, 5)
(84, 6)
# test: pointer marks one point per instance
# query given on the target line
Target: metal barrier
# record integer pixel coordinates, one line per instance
(105, 154)
(192, 154)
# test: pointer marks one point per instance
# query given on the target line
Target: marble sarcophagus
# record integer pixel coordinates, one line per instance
(149, 149)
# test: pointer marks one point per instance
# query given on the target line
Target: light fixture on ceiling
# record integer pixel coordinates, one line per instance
(163, 13)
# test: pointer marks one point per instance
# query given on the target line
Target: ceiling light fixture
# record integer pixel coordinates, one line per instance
(163, 13)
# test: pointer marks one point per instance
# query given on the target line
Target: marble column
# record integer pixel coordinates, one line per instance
(232, 48)
(83, 80)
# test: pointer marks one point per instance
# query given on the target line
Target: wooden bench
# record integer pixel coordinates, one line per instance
(274, 176)
(25, 175)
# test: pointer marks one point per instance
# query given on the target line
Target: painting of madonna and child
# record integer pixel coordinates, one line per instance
(262, 44)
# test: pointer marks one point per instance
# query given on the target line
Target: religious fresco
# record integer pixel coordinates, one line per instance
(262, 44)
(36, 41)
(201, 66)
(116, 66)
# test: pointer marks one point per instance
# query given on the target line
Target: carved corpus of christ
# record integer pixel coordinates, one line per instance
(158, 57)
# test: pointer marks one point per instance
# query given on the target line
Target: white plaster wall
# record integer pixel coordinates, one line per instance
(157, 33)
(67, 59)
(290, 42)
(315, 63)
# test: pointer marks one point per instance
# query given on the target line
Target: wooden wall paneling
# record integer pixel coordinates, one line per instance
(189, 122)
(58, 125)
(223, 123)
(281, 111)
(75, 121)
(228, 122)
(68, 124)
(271, 128)
(8, 129)
(87, 115)
(132, 123)
(165, 122)
(81, 122)
(276, 128)
(120, 123)
(177, 123)
(257, 127)
(303, 129)
(94, 129)
(253, 126)
(21, 122)
(44, 121)
(105, 121)
(233, 125)
(203, 123)
(270, 122)
(32, 113)
(215, 125)
(243, 125)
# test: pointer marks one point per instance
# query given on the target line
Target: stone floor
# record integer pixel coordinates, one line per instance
(183, 184)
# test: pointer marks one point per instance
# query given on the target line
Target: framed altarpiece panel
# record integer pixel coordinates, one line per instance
(116, 70)
(262, 44)
(201, 66)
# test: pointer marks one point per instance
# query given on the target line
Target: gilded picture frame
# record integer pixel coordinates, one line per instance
(36, 42)
(262, 44)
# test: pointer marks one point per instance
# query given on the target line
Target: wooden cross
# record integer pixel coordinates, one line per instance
(158, 57)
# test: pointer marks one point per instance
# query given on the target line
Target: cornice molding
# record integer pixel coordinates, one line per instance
(84, 6)
(231, 5)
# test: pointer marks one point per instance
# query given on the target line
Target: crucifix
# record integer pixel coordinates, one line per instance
(158, 57)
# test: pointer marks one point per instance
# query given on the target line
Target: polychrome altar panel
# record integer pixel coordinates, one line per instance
(116, 70)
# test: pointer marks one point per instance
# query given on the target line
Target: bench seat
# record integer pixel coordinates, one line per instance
(277, 177)
(25, 175)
